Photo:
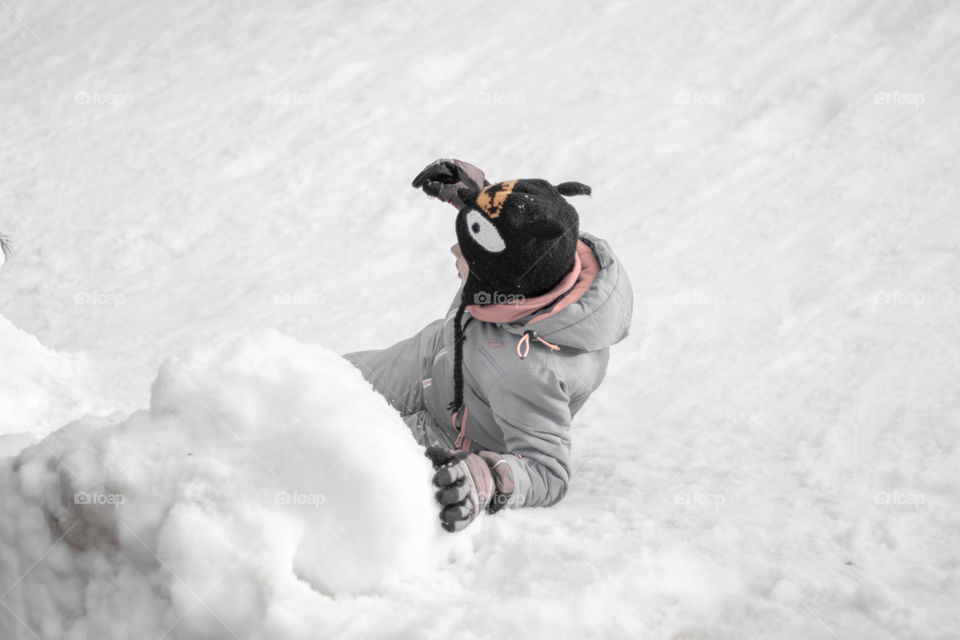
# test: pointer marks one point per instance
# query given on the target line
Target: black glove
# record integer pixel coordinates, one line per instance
(443, 178)
(467, 483)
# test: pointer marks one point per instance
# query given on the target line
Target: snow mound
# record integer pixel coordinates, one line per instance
(263, 468)
(40, 389)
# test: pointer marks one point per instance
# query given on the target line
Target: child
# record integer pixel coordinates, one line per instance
(492, 389)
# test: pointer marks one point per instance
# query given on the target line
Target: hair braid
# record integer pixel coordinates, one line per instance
(458, 340)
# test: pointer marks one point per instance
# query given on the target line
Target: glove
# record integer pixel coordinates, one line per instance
(467, 483)
(443, 178)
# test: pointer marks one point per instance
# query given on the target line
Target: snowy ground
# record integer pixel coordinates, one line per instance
(774, 453)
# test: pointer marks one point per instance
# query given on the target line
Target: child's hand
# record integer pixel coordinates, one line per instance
(464, 486)
(467, 485)
(443, 178)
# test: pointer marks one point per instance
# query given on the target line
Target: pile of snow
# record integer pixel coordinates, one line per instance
(266, 476)
(41, 388)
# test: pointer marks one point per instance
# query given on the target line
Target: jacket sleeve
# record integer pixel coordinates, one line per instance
(533, 410)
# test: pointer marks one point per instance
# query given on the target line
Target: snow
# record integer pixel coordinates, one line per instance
(773, 453)
(264, 470)
(42, 389)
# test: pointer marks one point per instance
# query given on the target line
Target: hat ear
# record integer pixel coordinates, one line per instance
(548, 230)
(468, 196)
(573, 189)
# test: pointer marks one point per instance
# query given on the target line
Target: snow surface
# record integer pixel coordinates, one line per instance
(773, 454)
(42, 389)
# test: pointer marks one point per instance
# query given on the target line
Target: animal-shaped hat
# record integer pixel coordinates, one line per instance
(519, 237)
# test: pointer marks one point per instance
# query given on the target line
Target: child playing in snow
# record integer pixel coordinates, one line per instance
(491, 390)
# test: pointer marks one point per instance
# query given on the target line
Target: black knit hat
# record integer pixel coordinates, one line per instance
(519, 238)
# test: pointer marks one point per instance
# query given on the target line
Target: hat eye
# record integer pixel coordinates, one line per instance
(484, 233)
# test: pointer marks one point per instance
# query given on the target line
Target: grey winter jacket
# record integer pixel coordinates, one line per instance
(519, 407)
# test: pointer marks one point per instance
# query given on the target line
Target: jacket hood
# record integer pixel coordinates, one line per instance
(600, 317)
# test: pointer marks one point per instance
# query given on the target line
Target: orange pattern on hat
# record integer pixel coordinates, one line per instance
(493, 205)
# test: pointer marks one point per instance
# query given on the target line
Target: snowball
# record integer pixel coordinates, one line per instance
(262, 466)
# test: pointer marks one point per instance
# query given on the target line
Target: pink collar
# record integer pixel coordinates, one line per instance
(569, 290)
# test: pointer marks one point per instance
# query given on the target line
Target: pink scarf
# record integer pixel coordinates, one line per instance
(571, 288)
